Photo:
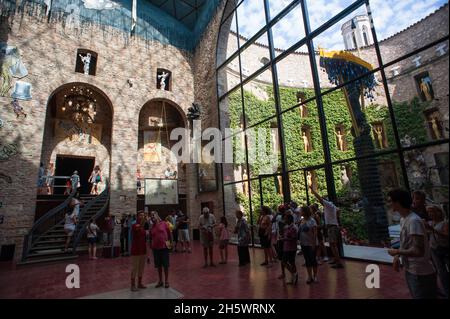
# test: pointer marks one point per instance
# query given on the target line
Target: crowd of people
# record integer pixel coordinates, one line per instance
(283, 234)
(424, 246)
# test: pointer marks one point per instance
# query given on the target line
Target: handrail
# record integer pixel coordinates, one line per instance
(82, 227)
(52, 212)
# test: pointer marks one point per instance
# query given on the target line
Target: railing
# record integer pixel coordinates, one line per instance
(82, 227)
(46, 222)
(43, 190)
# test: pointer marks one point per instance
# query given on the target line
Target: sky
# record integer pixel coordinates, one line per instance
(390, 17)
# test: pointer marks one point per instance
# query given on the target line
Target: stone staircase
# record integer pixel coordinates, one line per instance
(48, 245)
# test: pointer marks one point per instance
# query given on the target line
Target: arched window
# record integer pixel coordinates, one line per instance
(355, 44)
(365, 36)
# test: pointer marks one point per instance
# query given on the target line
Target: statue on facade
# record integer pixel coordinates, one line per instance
(309, 179)
(303, 111)
(435, 127)
(86, 62)
(194, 112)
(344, 177)
(425, 88)
(305, 142)
(378, 129)
(245, 183)
(340, 138)
(163, 77)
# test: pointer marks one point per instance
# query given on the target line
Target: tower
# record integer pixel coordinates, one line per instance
(356, 32)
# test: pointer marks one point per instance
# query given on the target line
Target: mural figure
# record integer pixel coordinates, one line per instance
(72, 16)
(100, 4)
(17, 108)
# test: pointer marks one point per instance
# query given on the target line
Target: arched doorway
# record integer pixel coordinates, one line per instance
(77, 136)
(155, 161)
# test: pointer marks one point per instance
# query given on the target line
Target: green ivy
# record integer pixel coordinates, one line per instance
(409, 116)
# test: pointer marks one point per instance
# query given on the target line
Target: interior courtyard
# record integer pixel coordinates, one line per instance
(117, 113)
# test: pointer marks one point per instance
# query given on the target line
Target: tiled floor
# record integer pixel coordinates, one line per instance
(191, 280)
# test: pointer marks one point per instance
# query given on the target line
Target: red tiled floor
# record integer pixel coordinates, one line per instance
(188, 277)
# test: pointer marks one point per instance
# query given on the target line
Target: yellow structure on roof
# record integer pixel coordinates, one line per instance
(345, 55)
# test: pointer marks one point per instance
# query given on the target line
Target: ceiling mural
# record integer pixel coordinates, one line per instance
(180, 23)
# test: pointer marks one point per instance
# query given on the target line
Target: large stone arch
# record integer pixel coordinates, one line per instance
(94, 140)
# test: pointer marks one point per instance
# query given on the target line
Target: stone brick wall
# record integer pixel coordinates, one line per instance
(205, 89)
(49, 53)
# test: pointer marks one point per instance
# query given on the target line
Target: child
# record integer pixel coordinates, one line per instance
(224, 237)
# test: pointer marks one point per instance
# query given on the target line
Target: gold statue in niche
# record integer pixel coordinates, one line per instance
(306, 143)
(378, 129)
(435, 127)
(426, 89)
(340, 139)
(280, 184)
(309, 179)
(245, 182)
(303, 111)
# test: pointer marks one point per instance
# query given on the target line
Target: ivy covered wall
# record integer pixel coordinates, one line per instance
(409, 117)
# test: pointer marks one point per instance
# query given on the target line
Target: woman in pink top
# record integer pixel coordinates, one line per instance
(224, 237)
(161, 243)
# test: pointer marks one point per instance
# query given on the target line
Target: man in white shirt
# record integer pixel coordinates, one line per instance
(414, 251)
(330, 213)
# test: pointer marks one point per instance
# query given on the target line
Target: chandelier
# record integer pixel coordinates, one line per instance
(80, 104)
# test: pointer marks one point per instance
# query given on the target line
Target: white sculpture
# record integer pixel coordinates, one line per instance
(344, 177)
(86, 61)
(163, 77)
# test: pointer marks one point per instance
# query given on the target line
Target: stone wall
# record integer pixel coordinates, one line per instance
(49, 53)
(205, 89)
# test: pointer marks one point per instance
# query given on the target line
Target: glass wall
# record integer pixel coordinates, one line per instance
(329, 95)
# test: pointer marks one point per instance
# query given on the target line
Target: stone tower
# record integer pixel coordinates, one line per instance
(356, 32)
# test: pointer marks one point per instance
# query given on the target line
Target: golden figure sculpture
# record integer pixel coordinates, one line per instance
(309, 179)
(340, 137)
(379, 132)
(245, 183)
(425, 89)
(305, 142)
(435, 127)
(303, 111)
(280, 184)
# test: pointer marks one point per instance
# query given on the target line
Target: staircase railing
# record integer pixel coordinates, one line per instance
(82, 227)
(44, 223)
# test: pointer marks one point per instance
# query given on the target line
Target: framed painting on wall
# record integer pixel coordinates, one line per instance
(161, 191)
